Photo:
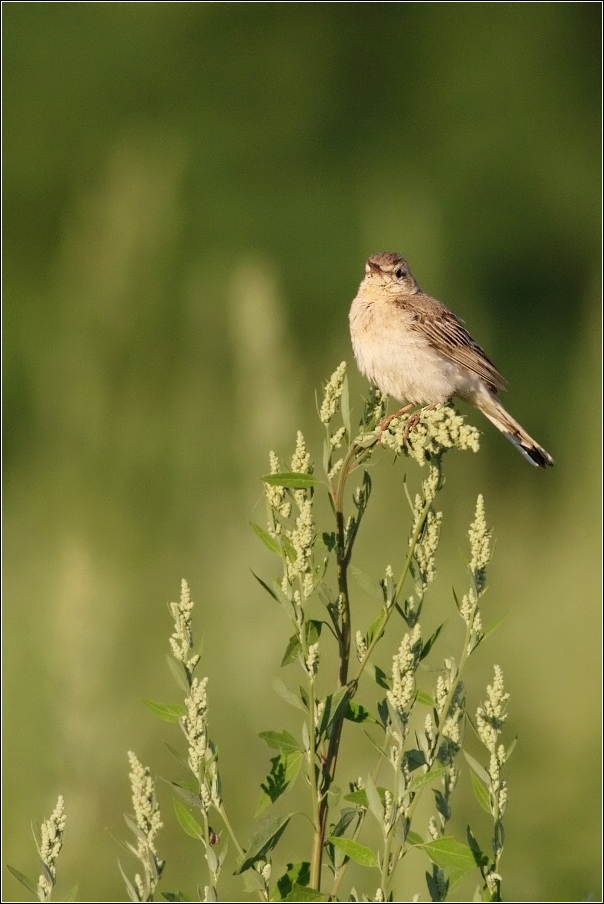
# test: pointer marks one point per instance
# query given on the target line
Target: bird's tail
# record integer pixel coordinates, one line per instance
(517, 435)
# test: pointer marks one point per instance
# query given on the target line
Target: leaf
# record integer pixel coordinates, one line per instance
(357, 713)
(378, 676)
(168, 712)
(188, 822)
(297, 874)
(493, 627)
(430, 642)
(282, 741)
(283, 774)
(479, 858)
(331, 710)
(291, 479)
(482, 795)
(329, 540)
(266, 587)
(129, 886)
(450, 854)
(22, 879)
(374, 800)
(367, 583)
(174, 896)
(266, 538)
(424, 698)
(414, 839)
(480, 771)
(268, 834)
(179, 756)
(358, 797)
(357, 852)
(72, 894)
(178, 673)
(294, 647)
(189, 796)
(285, 694)
(302, 893)
(420, 780)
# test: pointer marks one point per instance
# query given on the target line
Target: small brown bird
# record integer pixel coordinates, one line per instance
(415, 349)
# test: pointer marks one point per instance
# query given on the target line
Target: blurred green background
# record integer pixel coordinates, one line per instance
(190, 192)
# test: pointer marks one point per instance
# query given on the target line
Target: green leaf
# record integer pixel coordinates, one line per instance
(450, 854)
(285, 694)
(266, 538)
(179, 756)
(301, 893)
(283, 774)
(378, 676)
(266, 587)
(179, 673)
(493, 627)
(479, 858)
(374, 799)
(294, 647)
(367, 583)
(358, 797)
(480, 771)
(430, 642)
(291, 479)
(174, 896)
(357, 713)
(329, 540)
(357, 852)
(169, 712)
(188, 822)
(72, 894)
(420, 780)
(414, 839)
(268, 834)
(280, 740)
(189, 796)
(23, 880)
(333, 706)
(129, 886)
(482, 795)
(297, 874)
(424, 698)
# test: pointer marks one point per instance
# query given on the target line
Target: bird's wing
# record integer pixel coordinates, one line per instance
(448, 335)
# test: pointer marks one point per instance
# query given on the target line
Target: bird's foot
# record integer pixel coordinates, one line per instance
(383, 424)
(415, 419)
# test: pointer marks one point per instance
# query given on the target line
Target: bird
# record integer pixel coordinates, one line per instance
(416, 350)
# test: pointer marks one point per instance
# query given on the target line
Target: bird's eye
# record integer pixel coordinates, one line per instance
(399, 273)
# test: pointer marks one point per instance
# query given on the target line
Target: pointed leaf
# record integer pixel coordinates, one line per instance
(291, 479)
(174, 896)
(179, 756)
(302, 893)
(282, 776)
(129, 886)
(22, 879)
(282, 741)
(378, 676)
(482, 795)
(72, 894)
(414, 839)
(357, 713)
(266, 587)
(367, 583)
(266, 538)
(450, 854)
(430, 642)
(357, 852)
(420, 780)
(285, 694)
(268, 834)
(374, 800)
(480, 771)
(297, 874)
(424, 698)
(178, 673)
(189, 796)
(168, 712)
(188, 822)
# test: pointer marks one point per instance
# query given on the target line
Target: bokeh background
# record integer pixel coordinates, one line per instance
(190, 192)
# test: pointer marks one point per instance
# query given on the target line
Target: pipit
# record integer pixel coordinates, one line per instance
(415, 349)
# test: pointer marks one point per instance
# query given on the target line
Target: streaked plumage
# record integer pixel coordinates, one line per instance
(417, 350)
